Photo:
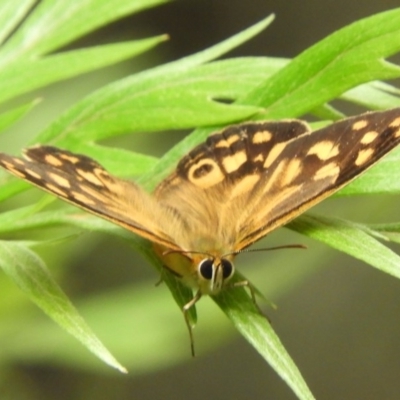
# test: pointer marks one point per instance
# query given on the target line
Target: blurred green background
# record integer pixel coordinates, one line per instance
(337, 317)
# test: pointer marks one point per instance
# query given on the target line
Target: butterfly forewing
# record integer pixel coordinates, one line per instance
(251, 178)
(318, 164)
(82, 181)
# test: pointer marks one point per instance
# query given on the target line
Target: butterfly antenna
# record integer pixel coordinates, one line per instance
(168, 252)
(286, 246)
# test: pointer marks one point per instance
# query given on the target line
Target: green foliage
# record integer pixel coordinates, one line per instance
(181, 94)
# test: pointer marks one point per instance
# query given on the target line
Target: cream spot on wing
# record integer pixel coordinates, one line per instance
(397, 133)
(244, 185)
(363, 156)
(70, 158)
(258, 158)
(275, 177)
(50, 159)
(324, 150)
(15, 171)
(292, 171)
(232, 163)
(222, 144)
(18, 161)
(328, 170)
(55, 189)
(233, 138)
(273, 154)
(174, 181)
(359, 125)
(82, 198)
(286, 193)
(61, 181)
(90, 177)
(205, 173)
(227, 141)
(395, 123)
(369, 137)
(262, 137)
(265, 213)
(32, 173)
(9, 165)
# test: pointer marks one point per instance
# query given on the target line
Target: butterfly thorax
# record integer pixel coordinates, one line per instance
(208, 272)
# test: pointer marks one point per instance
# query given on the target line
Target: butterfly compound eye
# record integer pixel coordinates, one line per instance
(206, 268)
(227, 268)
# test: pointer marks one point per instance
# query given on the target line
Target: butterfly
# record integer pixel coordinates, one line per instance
(227, 193)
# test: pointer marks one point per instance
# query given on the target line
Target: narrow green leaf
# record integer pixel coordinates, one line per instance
(391, 231)
(12, 14)
(347, 58)
(316, 76)
(374, 95)
(348, 238)
(255, 327)
(10, 186)
(327, 112)
(55, 23)
(26, 217)
(33, 73)
(210, 53)
(152, 323)
(181, 293)
(28, 271)
(171, 96)
(9, 117)
(384, 177)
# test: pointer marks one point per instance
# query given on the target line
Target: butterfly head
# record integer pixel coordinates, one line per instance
(213, 273)
(205, 272)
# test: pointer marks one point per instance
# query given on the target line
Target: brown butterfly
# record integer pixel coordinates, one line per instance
(226, 194)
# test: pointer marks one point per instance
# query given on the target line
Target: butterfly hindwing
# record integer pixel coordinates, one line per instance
(83, 182)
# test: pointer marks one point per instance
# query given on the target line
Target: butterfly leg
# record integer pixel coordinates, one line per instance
(253, 292)
(160, 281)
(247, 285)
(185, 310)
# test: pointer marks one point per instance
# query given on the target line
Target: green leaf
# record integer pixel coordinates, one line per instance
(11, 16)
(28, 271)
(255, 327)
(389, 231)
(343, 60)
(34, 73)
(349, 238)
(321, 73)
(374, 95)
(55, 23)
(24, 60)
(177, 95)
(9, 117)
(384, 177)
(181, 293)
(10, 187)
